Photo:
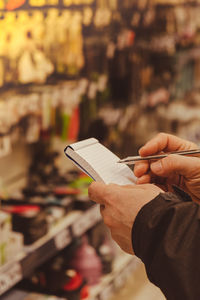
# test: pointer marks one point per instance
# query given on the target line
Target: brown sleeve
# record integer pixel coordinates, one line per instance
(166, 236)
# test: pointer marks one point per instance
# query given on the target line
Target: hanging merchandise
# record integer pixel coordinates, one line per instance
(2, 4)
(40, 47)
(33, 65)
(102, 17)
(77, 2)
(37, 3)
(74, 125)
(87, 16)
(75, 59)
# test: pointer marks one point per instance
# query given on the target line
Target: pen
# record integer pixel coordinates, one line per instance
(133, 159)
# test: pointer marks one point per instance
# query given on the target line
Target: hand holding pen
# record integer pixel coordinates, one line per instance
(181, 170)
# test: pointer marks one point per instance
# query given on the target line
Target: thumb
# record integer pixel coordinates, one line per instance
(177, 164)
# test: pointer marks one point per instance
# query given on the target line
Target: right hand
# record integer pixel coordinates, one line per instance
(183, 171)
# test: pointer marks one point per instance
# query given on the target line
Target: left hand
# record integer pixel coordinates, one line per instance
(120, 206)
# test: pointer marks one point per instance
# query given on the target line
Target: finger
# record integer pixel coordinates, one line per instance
(165, 142)
(141, 168)
(96, 192)
(144, 179)
(188, 167)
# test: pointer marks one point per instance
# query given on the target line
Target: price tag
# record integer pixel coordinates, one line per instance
(86, 221)
(62, 239)
(107, 292)
(10, 277)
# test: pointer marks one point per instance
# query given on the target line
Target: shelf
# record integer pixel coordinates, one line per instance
(175, 3)
(59, 237)
(22, 295)
(123, 267)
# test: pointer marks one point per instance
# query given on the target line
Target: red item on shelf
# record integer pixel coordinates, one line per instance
(22, 209)
(66, 191)
(74, 125)
(83, 175)
(13, 4)
(85, 292)
(132, 36)
(74, 283)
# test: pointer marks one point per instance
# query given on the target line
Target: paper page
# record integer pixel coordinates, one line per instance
(83, 144)
(104, 162)
(82, 164)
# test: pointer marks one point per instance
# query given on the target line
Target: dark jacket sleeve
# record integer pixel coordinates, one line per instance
(166, 236)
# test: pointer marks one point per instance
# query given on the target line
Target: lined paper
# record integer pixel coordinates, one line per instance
(83, 144)
(105, 164)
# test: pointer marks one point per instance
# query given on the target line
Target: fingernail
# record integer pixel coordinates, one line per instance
(156, 167)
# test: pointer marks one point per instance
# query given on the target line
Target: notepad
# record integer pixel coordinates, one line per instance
(99, 163)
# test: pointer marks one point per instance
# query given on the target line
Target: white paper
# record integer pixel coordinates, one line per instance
(94, 156)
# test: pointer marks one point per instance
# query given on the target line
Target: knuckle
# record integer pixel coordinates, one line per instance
(169, 163)
(137, 165)
(161, 135)
(137, 170)
(165, 163)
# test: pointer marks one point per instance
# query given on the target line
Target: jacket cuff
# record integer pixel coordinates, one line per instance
(150, 212)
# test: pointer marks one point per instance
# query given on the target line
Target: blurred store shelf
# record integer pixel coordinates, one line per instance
(22, 295)
(138, 287)
(124, 267)
(59, 237)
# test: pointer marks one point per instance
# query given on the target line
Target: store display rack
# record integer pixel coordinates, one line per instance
(16, 294)
(175, 3)
(124, 266)
(59, 237)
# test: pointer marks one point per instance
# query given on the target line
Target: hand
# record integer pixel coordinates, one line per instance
(183, 171)
(120, 206)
